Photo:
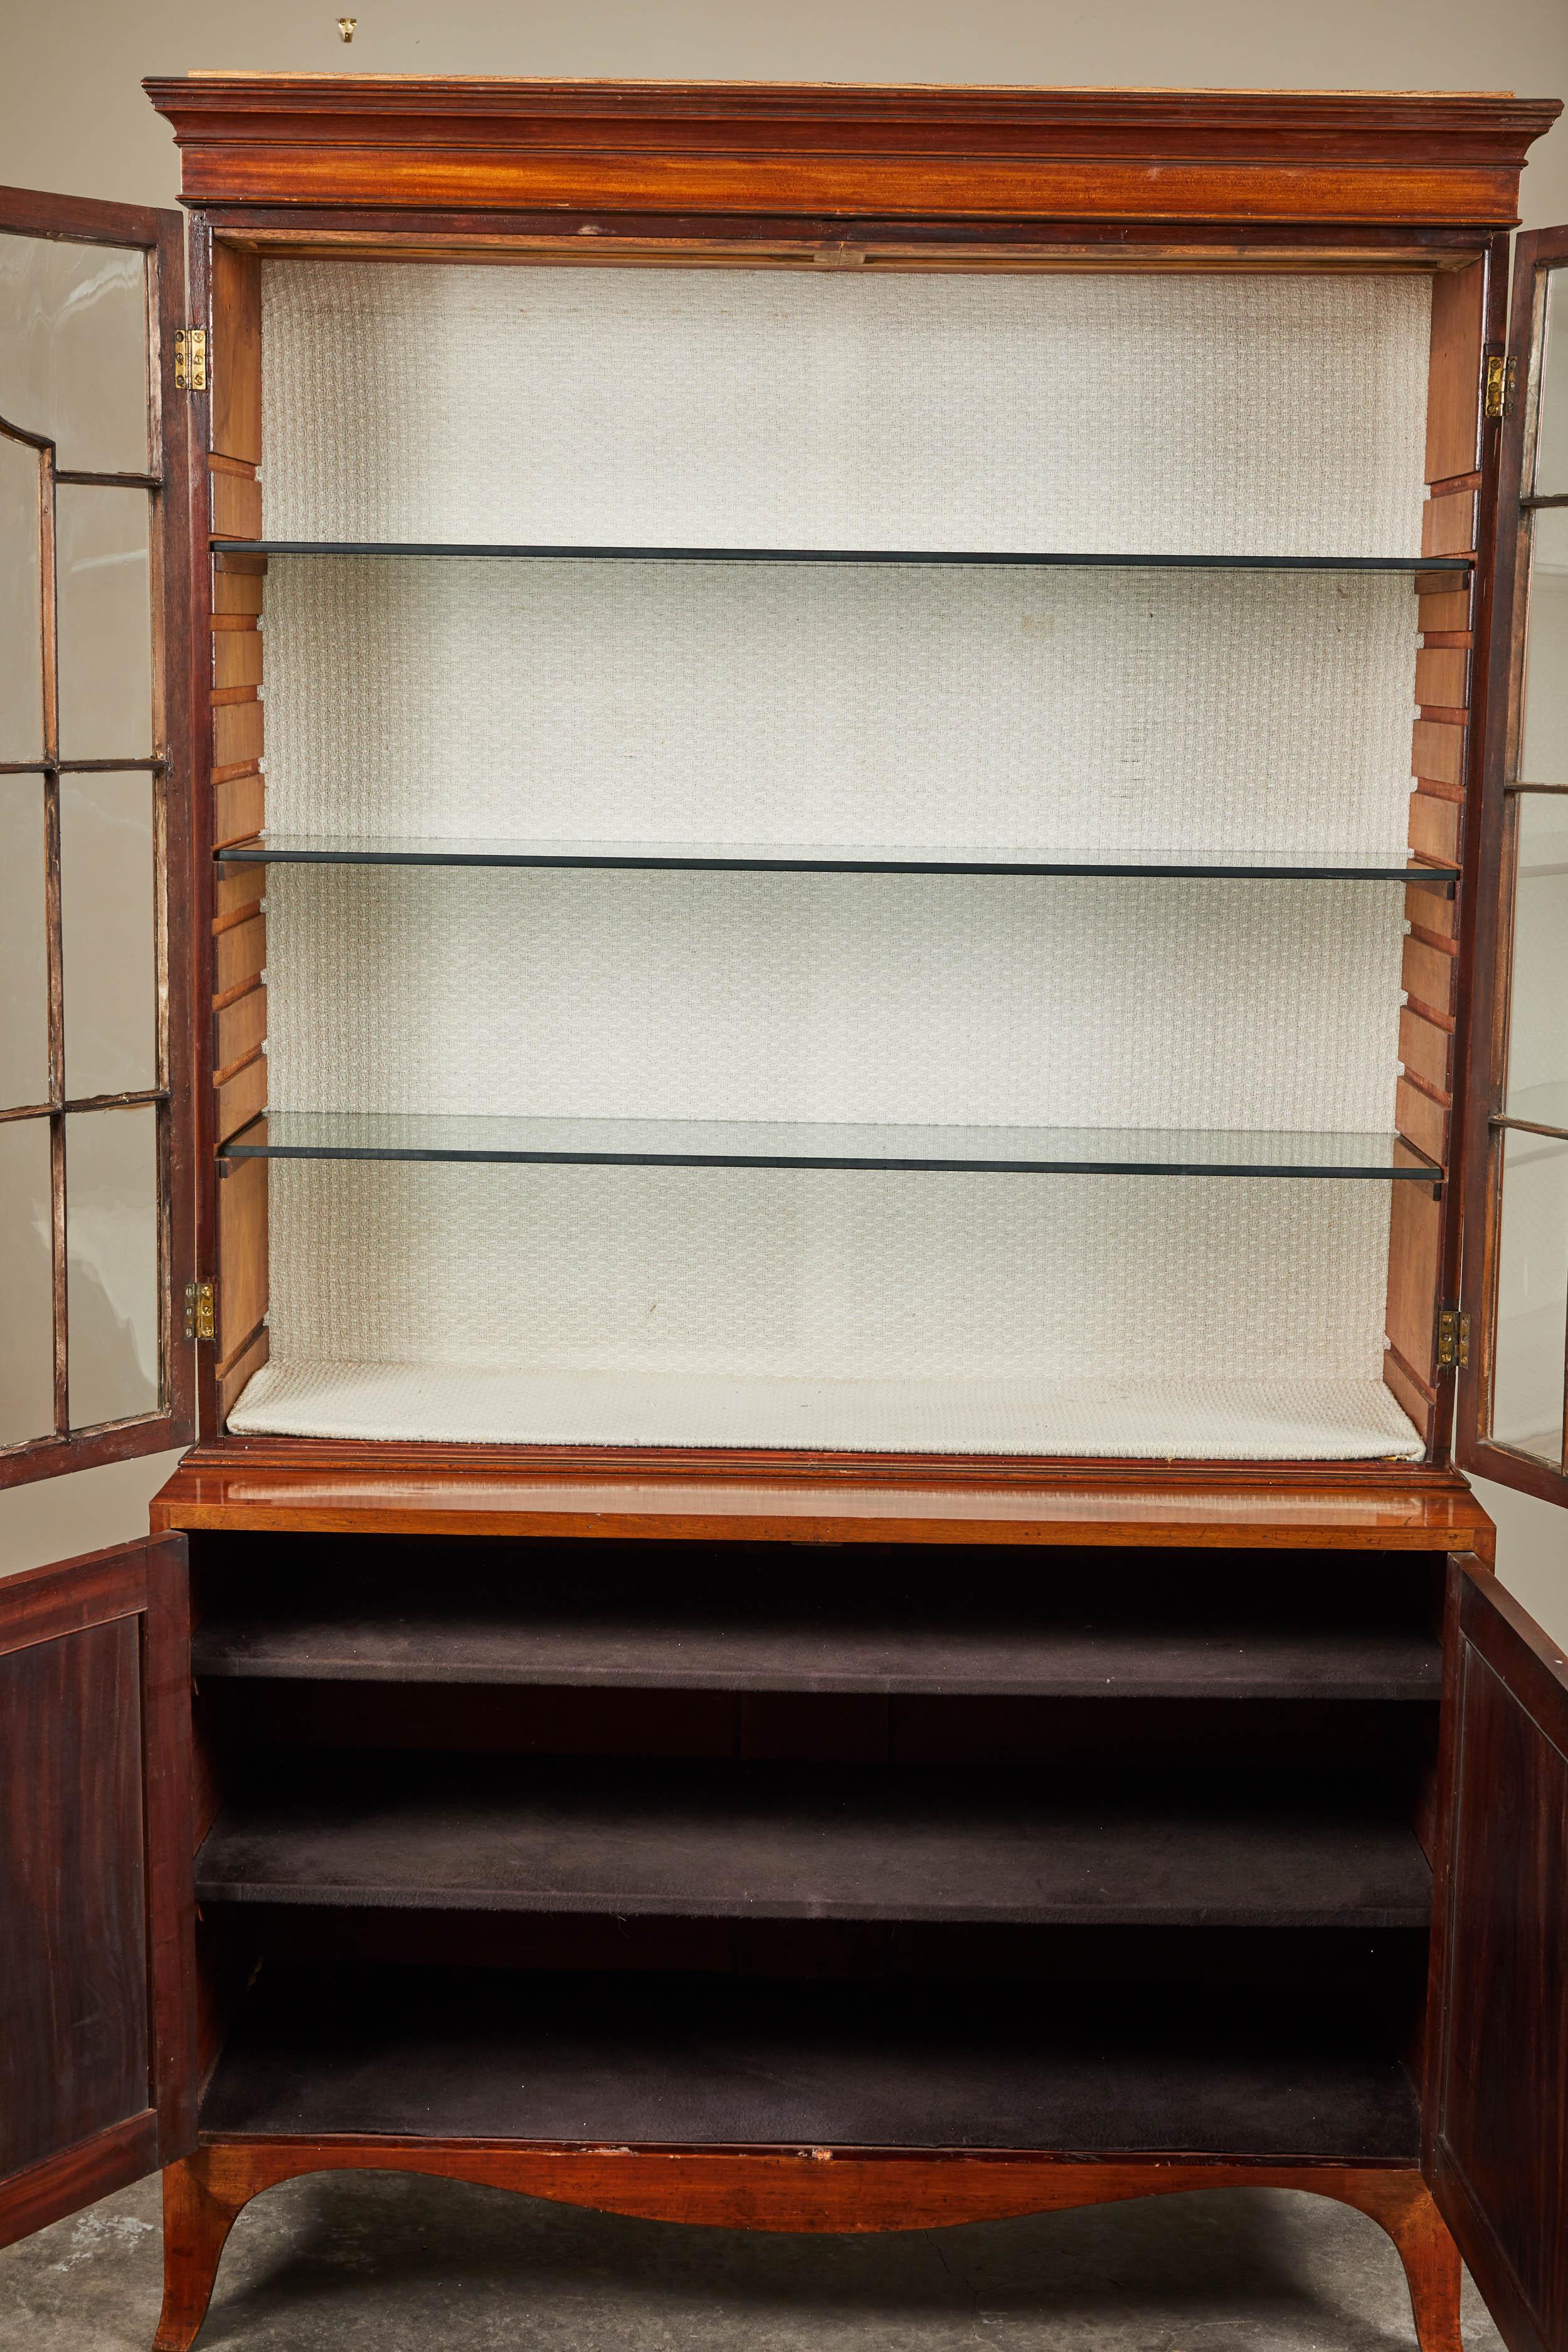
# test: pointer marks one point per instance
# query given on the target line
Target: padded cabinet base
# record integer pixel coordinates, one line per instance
(1338, 1420)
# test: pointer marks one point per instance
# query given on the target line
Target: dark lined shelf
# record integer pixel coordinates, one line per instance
(625, 2060)
(723, 857)
(757, 1143)
(972, 556)
(808, 1842)
(492, 1634)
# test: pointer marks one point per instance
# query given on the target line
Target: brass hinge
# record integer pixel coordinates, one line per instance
(201, 1311)
(189, 358)
(1453, 1339)
(1497, 386)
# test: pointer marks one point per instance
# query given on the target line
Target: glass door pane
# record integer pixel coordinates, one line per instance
(104, 617)
(1533, 1296)
(1516, 1237)
(22, 484)
(1551, 433)
(74, 350)
(92, 791)
(112, 1244)
(109, 926)
(24, 945)
(26, 1284)
(1543, 733)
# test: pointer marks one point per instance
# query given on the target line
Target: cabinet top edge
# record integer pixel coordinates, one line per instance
(219, 91)
(769, 149)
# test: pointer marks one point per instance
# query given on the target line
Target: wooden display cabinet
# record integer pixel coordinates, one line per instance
(844, 1127)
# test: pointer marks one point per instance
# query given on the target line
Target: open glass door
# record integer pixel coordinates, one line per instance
(96, 2034)
(1513, 1409)
(96, 1158)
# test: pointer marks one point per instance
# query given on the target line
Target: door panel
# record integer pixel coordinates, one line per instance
(1498, 2095)
(96, 1906)
(96, 1153)
(73, 1929)
(1512, 1403)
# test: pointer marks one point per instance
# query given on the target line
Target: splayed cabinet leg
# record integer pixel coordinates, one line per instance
(1403, 2203)
(197, 2223)
(1433, 2272)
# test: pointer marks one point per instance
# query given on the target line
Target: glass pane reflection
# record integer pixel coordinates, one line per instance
(24, 969)
(1533, 1297)
(1552, 429)
(21, 643)
(1537, 1016)
(26, 1287)
(1544, 747)
(112, 1254)
(105, 624)
(73, 349)
(107, 909)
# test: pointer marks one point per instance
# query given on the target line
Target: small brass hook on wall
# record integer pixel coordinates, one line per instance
(346, 27)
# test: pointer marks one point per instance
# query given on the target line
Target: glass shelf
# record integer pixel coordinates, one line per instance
(739, 857)
(739, 1143)
(1408, 563)
(1544, 1107)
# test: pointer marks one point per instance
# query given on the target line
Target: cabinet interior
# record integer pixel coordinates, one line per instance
(580, 1842)
(1275, 1008)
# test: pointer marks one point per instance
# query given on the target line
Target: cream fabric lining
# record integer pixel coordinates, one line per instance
(763, 1306)
(766, 703)
(1225, 1421)
(827, 1275)
(669, 408)
(1193, 1317)
(922, 999)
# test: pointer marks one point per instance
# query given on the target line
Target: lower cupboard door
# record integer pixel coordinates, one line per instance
(1497, 2135)
(97, 2028)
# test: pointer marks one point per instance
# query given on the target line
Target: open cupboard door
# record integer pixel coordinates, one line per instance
(97, 1140)
(97, 1194)
(96, 2034)
(1512, 1340)
(1496, 2138)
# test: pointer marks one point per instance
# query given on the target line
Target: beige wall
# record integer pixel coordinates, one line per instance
(72, 117)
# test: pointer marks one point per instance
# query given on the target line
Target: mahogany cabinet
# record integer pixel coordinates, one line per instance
(860, 1100)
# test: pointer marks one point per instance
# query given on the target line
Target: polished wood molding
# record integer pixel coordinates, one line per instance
(49, 1603)
(815, 2189)
(61, 2185)
(852, 150)
(316, 1486)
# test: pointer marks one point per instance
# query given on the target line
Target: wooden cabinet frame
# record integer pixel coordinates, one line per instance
(895, 180)
(865, 179)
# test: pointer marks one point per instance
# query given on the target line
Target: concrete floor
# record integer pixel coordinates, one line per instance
(386, 2262)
